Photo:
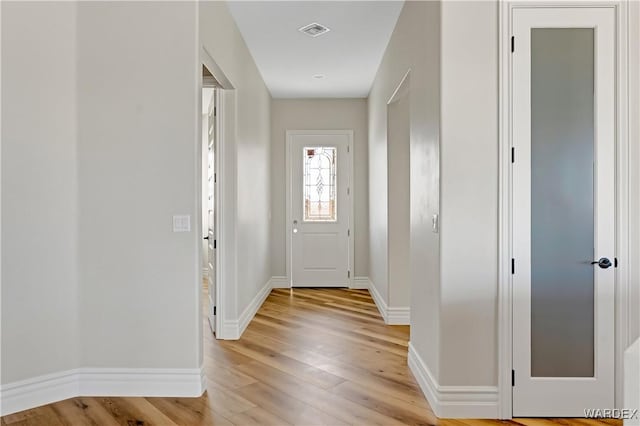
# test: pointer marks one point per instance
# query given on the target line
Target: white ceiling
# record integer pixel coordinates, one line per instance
(348, 55)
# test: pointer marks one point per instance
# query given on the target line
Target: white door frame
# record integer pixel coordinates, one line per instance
(289, 187)
(505, 341)
(223, 225)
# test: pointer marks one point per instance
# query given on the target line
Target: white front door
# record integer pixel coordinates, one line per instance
(320, 210)
(211, 209)
(563, 171)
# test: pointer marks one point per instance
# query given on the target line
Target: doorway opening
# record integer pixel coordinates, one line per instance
(398, 207)
(210, 137)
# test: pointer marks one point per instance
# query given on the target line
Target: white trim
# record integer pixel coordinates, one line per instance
(181, 382)
(49, 388)
(229, 331)
(378, 300)
(225, 194)
(633, 80)
(37, 391)
(624, 199)
(214, 69)
(361, 283)
(280, 282)
(233, 329)
(288, 187)
(453, 401)
(394, 96)
(632, 380)
(392, 315)
(251, 310)
(219, 271)
(226, 256)
(400, 315)
(505, 322)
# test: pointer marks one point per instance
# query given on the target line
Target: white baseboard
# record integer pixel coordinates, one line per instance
(165, 382)
(392, 315)
(398, 315)
(233, 329)
(251, 310)
(379, 301)
(49, 388)
(361, 283)
(229, 330)
(280, 282)
(479, 402)
(38, 391)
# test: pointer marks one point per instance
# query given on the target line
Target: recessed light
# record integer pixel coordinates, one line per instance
(318, 76)
(314, 29)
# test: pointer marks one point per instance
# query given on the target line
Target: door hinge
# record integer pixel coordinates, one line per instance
(615, 262)
(215, 244)
(215, 178)
(513, 154)
(513, 377)
(215, 310)
(348, 148)
(348, 232)
(348, 191)
(348, 274)
(215, 111)
(513, 44)
(513, 266)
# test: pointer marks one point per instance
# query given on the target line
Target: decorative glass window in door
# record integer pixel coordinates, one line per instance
(320, 186)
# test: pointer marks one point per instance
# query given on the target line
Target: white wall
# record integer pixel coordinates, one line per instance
(251, 134)
(319, 114)
(98, 153)
(39, 189)
(415, 45)
(469, 193)
(398, 212)
(138, 156)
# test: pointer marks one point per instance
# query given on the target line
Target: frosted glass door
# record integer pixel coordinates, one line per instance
(563, 210)
(562, 202)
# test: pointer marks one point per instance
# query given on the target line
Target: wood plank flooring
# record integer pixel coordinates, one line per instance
(310, 357)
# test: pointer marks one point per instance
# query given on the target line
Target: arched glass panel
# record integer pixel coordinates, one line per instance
(320, 184)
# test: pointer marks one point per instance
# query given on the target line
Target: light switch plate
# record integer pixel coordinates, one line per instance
(182, 223)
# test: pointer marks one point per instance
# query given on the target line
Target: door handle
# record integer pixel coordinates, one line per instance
(206, 238)
(603, 262)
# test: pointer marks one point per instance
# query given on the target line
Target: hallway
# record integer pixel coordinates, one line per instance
(310, 357)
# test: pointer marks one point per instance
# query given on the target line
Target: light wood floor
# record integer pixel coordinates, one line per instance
(310, 357)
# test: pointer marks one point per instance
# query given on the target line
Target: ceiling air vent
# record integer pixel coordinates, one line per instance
(314, 30)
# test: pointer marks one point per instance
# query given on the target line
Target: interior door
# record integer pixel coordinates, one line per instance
(211, 210)
(563, 74)
(320, 209)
